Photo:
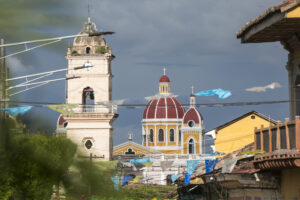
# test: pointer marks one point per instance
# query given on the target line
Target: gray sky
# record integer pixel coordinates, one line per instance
(195, 40)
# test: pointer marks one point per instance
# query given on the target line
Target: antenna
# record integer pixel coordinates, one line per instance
(88, 8)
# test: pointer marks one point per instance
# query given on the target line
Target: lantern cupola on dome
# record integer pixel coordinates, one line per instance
(164, 84)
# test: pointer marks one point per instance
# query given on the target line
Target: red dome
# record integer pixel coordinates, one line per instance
(192, 115)
(192, 95)
(164, 78)
(164, 108)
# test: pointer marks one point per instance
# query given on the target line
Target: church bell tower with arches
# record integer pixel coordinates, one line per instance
(89, 93)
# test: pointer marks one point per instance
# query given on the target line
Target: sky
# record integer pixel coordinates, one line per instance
(195, 40)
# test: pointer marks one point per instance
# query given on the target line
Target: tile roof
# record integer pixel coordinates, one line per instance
(281, 7)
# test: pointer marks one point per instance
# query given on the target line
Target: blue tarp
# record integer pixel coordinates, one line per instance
(125, 180)
(191, 166)
(16, 110)
(210, 165)
(115, 180)
(222, 94)
(187, 178)
(174, 177)
(143, 160)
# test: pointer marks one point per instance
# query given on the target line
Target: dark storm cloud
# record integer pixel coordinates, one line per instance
(195, 40)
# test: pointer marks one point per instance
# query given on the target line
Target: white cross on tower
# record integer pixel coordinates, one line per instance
(164, 70)
(192, 89)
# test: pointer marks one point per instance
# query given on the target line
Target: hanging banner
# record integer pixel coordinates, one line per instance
(166, 164)
(228, 165)
(143, 160)
(222, 94)
(16, 110)
(210, 165)
(271, 86)
(191, 166)
(125, 180)
(174, 177)
(64, 108)
(115, 180)
(187, 178)
(137, 179)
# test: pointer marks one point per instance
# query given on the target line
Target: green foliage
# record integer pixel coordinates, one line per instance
(101, 50)
(74, 53)
(25, 18)
(252, 152)
(32, 164)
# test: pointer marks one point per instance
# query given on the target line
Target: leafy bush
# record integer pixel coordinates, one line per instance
(101, 50)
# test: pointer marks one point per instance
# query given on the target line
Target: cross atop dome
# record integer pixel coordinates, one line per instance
(164, 69)
(164, 83)
(90, 26)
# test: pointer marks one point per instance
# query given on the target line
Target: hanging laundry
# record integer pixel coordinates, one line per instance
(191, 166)
(187, 178)
(174, 177)
(125, 180)
(16, 110)
(271, 86)
(222, 94)
(115, 180)
(143, 160)
(210, 165)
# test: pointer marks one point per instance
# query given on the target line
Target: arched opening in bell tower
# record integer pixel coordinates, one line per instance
(88, 50)
(88, 99)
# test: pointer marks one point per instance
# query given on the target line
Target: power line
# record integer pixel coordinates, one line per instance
(135, 106)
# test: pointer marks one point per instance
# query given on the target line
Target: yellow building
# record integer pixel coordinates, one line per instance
(238, 133)
(167, 127)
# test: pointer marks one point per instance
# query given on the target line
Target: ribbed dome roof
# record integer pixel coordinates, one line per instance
(192, 115)
(164, 107)
(164, 78)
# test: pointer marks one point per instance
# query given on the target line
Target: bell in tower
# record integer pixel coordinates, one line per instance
(90, 122)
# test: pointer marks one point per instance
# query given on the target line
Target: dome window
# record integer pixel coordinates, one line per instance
(151, 135)
(161, 135)
(172, 136)
(191, 123)
(179, 136)
(88, 50)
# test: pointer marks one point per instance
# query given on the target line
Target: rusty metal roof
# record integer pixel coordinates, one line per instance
(279, 8)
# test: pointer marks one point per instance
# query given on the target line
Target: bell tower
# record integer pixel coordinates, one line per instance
(89, 91)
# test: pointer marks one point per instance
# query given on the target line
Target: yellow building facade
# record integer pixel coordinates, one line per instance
(239, 132)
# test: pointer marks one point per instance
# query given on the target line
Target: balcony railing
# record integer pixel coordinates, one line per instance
(95, 109)
(282, 136)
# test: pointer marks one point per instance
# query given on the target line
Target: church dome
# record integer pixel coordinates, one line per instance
(164, 107)
(193, 116)
(164, 79)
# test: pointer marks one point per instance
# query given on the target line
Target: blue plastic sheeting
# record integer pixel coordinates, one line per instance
(222, 94)
(116, 180)
(210, 165)
(191, 166)
(16, 110)
(143, 160)
(174, 177)
(187, 178)
(125, 180)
